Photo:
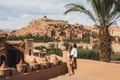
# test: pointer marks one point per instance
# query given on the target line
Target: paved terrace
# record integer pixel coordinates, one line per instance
(93, 70)
(87, 70)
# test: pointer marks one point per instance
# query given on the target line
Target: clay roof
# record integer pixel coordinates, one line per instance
(13, 42)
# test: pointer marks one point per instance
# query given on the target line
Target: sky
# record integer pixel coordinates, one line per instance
(15, 14)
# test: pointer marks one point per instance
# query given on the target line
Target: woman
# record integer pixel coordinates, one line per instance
(72, 61)
(74, 54)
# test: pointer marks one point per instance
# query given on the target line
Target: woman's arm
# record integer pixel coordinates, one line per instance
(72, 60)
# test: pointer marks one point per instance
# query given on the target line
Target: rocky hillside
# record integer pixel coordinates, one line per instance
(53, 28)
(2, 32)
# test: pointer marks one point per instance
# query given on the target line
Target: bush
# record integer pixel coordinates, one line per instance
(77, 40)
(52, 46)
(15, 38)
(85, 39)
(28, 36)
(88, 53)
(66, 45)
(113, 38)
(40, 47)
(52, 50)
(94, 35)
(116, 57)
(36, 38)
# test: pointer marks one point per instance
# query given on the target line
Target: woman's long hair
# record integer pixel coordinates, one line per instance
(75, 45)
(69, 49)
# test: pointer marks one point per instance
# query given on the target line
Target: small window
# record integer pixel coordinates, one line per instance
(0, 40)
(29, 52)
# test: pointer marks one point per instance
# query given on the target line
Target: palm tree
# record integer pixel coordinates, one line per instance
(104, 13)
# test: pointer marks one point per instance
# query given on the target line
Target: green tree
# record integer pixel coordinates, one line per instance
(66, 44)
(103, 13)
(29, 36)
(52, 46)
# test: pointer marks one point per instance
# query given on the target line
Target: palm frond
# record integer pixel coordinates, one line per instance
(73, 8)
(79, 8)
(114, 13)
(104, 12)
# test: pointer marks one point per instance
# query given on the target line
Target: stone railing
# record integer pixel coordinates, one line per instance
(48, 68)
(43, 74)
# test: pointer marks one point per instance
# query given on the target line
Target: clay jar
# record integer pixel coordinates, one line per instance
(34, 65)
(54, 60)
(60, 62)
(48, 57)
(4, 69)
(21, 66)
(45, 63)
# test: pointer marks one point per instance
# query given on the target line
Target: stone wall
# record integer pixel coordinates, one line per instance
(41, 74)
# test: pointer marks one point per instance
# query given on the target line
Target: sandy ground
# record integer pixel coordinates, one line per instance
(93, 70)
(74, 77)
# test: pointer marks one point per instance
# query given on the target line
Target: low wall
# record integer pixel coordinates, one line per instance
(44, 74)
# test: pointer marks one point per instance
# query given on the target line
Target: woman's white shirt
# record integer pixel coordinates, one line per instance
(74, 52)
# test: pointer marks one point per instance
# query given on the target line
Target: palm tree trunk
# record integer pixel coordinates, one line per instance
(104, 44)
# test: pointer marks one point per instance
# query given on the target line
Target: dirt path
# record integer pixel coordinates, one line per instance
(93, 70)
(74, 77)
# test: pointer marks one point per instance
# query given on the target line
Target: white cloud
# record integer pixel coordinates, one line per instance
(15, 14)
(43, 4)
(25, 15)
(9, 17)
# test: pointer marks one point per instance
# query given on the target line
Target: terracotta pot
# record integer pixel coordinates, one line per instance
(54, 60)
(48, 58)
(60, 62)
(21, 66)
(4, 69)
(34, 66)
(4, 72)
(45, 63)
(41, 66)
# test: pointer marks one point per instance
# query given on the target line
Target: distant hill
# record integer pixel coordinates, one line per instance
(59, 29)
(53, 28)
(7, 30)
(2, 32)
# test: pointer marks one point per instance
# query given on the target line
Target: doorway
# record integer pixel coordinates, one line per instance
(12, 58)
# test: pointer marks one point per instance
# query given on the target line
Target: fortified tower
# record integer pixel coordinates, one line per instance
(29, 46)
